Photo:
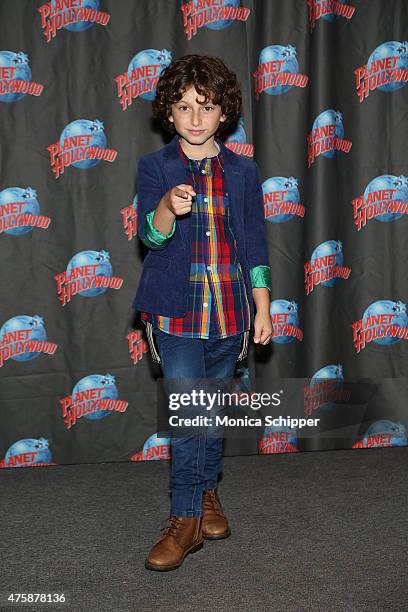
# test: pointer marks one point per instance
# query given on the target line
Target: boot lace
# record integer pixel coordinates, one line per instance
(211, 502)
(173, 523)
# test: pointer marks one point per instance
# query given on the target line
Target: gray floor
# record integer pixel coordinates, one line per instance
(317, 531)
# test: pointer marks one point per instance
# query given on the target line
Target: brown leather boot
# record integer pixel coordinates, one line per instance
(181, 536)
(214, 524)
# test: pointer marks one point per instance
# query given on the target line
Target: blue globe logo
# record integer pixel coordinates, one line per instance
(290, 64)
(28, 197)
(221, 23)
(330, 247)
(96, 381)
(270, 430)
(39, 448)
(22, 72)
(34, 325)
(389, 181)
(330, 117)
(397, 309)
(151, 443)
(84, 127)
(332, 373)
(149, 57)
(291, 310)
(238, 135)
(78, 26)
(101, 259)
(329, 16)
(282, 184)
(386, 50)
(397, 432)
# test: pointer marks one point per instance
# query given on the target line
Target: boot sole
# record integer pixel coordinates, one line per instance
(223, 536)
(168, 568)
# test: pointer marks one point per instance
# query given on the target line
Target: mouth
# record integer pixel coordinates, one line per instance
(196, 132)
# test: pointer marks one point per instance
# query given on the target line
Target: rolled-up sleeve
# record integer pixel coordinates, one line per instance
(155, 237)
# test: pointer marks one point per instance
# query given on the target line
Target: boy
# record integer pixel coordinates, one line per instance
(200, 212)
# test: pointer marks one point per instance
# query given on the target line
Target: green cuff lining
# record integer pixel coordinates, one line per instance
(261, 277)
(153, 234)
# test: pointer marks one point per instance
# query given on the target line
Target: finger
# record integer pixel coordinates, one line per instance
(184, 195)
(182, 211)
(188, 188)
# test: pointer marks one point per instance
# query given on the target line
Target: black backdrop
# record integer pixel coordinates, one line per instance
(325, 117)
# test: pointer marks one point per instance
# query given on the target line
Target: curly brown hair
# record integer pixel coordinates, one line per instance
(210, 77)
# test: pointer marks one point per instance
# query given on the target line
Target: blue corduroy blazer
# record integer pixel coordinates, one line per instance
(163, 284)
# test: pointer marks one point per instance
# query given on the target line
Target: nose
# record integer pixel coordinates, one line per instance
(196, 118)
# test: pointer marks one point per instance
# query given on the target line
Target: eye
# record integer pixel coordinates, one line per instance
(210, 107)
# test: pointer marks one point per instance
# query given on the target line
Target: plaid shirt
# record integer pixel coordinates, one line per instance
(216, 278)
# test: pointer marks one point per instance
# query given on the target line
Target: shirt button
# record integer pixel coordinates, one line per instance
(207, 233)
(205, 304)
(208, 267)
(202, 171)
(226, 194)
(205, 199)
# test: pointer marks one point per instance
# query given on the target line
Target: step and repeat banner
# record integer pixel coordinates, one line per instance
(324, 115)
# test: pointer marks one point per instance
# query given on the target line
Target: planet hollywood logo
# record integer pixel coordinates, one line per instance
(385, 199)
(281, 199)
(72, 15)
(278, 71)
(277, 440)
(237, 141)
(137, 345)
(15, 77)
(129, 219)
(154, 449)
(325, 266)
(383, 433)
(329, 10)
(28, 452)
(212, 14)
(327, 136)
(94, 397)
(89, 273)
(24, 338)
(82, 144)
(384, 322)
(325, 388)
(140, 79)
(386, 69)
(285, 322)
(20, 211)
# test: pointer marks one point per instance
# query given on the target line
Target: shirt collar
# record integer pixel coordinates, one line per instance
(218, 158)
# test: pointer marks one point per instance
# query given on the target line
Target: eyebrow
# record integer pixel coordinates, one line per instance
(185, 102)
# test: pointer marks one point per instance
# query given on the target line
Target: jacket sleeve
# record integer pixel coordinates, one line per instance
(149, 194)
(255, 231)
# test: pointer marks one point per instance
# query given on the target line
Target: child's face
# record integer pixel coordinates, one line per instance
(187, 114)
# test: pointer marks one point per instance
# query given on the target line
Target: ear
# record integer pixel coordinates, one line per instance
(223, 118)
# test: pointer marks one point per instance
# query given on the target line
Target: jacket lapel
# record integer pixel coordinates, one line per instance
(175, 174)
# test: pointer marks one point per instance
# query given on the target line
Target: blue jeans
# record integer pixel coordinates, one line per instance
(196, 458)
